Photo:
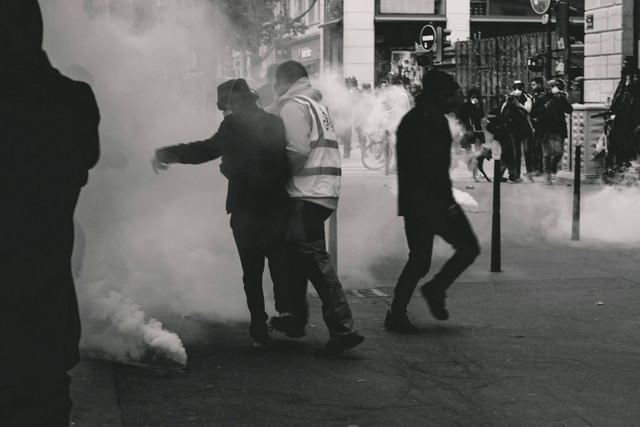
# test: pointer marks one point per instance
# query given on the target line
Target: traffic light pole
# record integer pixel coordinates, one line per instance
(547, 52)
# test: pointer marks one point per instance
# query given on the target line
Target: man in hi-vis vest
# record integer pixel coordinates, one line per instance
(314, 188)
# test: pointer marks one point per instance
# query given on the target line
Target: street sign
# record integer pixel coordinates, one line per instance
(540, 6)
(545, 19)
(428, 37)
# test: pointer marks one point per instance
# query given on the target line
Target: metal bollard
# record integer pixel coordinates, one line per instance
(333, 239)
(495, 226)
(575, 226)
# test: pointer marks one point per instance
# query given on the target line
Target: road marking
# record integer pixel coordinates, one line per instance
(356, 293)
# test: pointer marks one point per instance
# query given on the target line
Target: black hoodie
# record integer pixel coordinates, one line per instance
(424, 156)
(48, 141)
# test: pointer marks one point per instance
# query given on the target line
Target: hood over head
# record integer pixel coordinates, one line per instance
(302, 87)
(21, 37)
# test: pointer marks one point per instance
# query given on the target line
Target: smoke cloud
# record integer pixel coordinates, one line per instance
(147, 245)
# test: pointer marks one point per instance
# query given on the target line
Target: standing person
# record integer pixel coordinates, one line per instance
(265, 92)
(516, 108)
(498, 127)
(49, 141)
(553, 126)
(426, 202)
(252, 145)
(625, 134)
(347, 112)
(314, 188)
(471, 115)
(539, 94)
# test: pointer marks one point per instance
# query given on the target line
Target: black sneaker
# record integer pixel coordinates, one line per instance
(399, 323)
(262, 340)
(288, 325)
(335, 346)
(435, 299)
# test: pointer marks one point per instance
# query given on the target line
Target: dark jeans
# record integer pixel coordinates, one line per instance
(506, 155)
(36, 401)
(553, 149)
(309, 260)
(518, 141)
(448, 222)
(260, 236)
(537, 151)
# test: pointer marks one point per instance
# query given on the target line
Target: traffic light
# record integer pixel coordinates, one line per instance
(442, 43)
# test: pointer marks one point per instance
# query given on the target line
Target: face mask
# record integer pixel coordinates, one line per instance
(517, 92)
(555, 90)
(474, 101)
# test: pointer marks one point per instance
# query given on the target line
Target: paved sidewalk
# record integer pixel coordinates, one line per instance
(550, 341)
(560, 348)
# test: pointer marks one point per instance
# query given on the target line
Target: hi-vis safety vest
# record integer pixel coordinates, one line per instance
(320, 176)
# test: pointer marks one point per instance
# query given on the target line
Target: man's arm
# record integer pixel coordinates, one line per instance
(197, 152)
(297, 124)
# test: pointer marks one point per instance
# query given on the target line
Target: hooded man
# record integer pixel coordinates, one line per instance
(426, 202)
(49, 141)
(314, 188)
(252, 145)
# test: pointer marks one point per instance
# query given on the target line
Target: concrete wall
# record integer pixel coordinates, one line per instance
(359, 40)
(458, 19)
(606, 44)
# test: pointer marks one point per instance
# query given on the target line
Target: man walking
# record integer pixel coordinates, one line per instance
(251, 143)
(314, 188)
(426, 202)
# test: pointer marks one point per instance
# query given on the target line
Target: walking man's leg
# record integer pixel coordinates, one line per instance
(454, 227)
(306, 231)
(252, 260)
(420, 242)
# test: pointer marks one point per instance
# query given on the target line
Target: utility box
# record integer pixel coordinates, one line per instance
(585, 131)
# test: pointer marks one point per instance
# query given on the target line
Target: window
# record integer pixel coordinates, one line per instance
(407, 6)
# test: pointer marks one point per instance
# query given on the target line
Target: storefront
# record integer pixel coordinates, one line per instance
(397, 30)
(307, 52)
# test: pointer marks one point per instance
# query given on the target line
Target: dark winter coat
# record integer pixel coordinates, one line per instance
(48, 142)
(551, 118)
(252, 145)
(540, 97)
(424, 156)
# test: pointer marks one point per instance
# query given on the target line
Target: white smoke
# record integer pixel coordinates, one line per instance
(117, 328)
(155, 245)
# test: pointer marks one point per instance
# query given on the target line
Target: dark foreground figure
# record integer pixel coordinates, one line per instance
(48, 142)
(252, 145)
(426, 202)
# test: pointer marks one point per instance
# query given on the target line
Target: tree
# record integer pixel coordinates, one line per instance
(256, 26)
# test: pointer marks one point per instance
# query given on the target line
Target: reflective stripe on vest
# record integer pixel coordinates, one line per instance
(320, 176)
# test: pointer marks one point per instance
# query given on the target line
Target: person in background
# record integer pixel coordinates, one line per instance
(265, 92)
(471, 115)
(314, 188)
(48, 142)
(553, 126)
(426, 202)
(625, 133)
(252, 145)
(516, 109)
(539, 94)
(344, 124)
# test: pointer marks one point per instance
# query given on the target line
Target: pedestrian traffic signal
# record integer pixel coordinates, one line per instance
(442, 43)
(535, 64)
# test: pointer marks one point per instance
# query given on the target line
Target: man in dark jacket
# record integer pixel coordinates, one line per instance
(539, 94)
(516, 110)
(426, 202)
(625, 134)
(252, 145)
(48, 142)
(552, 124)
